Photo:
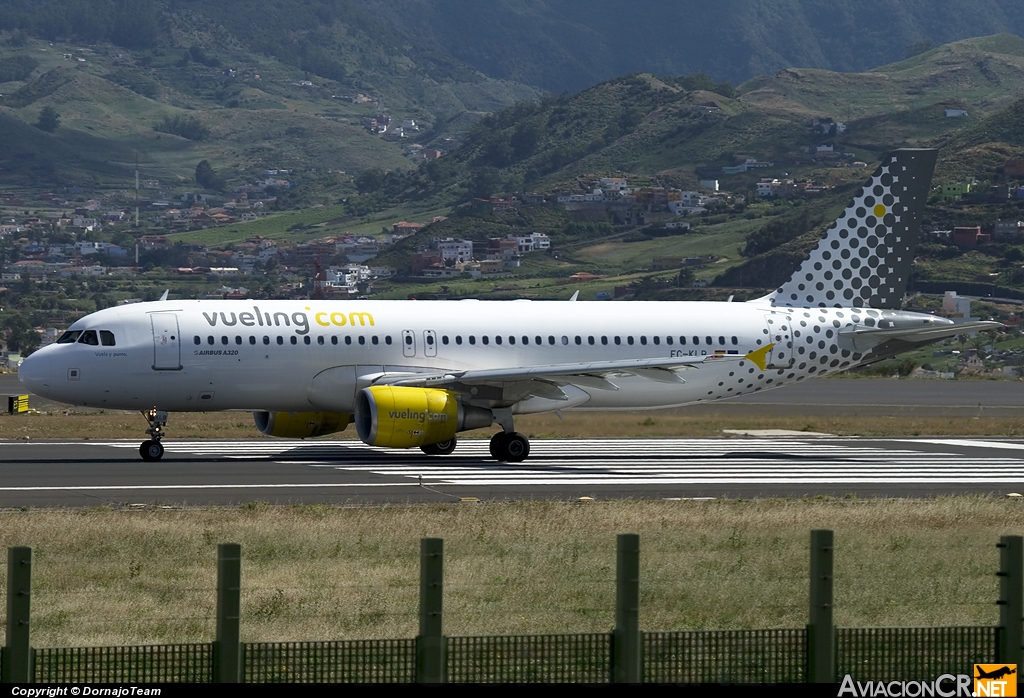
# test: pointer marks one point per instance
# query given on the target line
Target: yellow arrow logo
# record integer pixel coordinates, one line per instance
(760, 356)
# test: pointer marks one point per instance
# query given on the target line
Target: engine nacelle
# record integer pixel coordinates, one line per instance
(301, 425)
(401, 417)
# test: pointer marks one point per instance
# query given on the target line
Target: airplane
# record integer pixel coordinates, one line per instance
(416, 373)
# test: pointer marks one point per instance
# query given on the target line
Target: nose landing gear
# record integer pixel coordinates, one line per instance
(153, 450)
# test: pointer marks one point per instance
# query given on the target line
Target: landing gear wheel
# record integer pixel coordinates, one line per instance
(517, 448)
(510, 448)
(441, 448)
(498, 446)
(151, 450)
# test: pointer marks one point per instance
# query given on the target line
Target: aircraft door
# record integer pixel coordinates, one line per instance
(166, 342)
(429, 343)
(780, 333)
(408, 343)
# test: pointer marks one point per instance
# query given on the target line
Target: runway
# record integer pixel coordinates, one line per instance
(193, 473)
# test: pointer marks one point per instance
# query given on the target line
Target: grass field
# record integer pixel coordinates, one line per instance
(573, 425)
(319, 572)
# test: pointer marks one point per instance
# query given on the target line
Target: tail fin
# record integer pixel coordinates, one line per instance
(865, 257)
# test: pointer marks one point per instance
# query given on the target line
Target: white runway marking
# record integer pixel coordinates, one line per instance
(627, 462)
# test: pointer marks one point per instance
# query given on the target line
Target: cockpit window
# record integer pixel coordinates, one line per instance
(69, 337)
(107, 338)
(89, 337)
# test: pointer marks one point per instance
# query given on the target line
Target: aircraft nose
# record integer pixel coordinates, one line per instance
(34, 373)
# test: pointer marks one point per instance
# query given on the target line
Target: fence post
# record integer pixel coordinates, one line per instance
(431, 648)
(227, 650)
(821, 635)
(1011, 599)
(17, 652)
(626, 645)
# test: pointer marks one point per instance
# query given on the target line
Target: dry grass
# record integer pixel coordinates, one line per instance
(320, 572)
(239, 425)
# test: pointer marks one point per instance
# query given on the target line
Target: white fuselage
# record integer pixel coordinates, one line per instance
(267, 355)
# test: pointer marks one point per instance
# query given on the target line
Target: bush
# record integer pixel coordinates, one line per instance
(185, 126)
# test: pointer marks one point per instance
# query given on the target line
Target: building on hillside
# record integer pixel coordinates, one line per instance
(969, 236)
(1007, 230)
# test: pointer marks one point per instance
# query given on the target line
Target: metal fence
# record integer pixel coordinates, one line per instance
(913, 654)
(725, 656)
(577, 658)
(348, 661)
(191, 663)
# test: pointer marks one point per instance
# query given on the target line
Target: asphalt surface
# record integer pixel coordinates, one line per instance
(92, 473)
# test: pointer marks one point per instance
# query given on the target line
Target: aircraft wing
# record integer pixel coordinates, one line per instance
(591, 374)
(929, 333)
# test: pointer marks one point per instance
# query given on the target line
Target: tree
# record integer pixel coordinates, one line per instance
(207, 178)
(49, 120)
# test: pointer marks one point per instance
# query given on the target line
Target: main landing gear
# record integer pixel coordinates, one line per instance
(510, 447)
(153, 450)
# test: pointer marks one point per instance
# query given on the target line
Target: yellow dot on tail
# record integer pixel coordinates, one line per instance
(879, 211)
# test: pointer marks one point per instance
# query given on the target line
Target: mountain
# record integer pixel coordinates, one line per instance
(563, 45)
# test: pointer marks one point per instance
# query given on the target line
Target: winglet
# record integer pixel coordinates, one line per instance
(166, 293)
(760, 356)
(575, 296)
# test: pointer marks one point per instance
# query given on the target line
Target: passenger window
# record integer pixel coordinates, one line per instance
(682, 340)
(538, 340)
(72, 336)
(362, 339)
(266, 339)
(107, 338)
(590, 340)
(334, 339)
(696, 340)
(511, 339)
(657, 340)
(551, 340)
(89, 337)
(348, 340)
(668, 340)
(604, 339)
(320, 340)
(629, 339)
(294, 340)
(408, 340)
(252, 339)
(497, 339)
(238, 339)
(579, 340)
(224, 339)
(735, 341)
(565, 340)
(708, 340)
(458, 339)
(643, 340)
(618, 339)
(721, 340)
(387, 340)
(197, 340)
(209, 340)
(280, 339)
(444, 340)
(472, 339)
(306, 339)
(485, 340)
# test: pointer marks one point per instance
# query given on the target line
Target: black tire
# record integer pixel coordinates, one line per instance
(441, 448)
(499, 450)
(151, 450)
(517, 448)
